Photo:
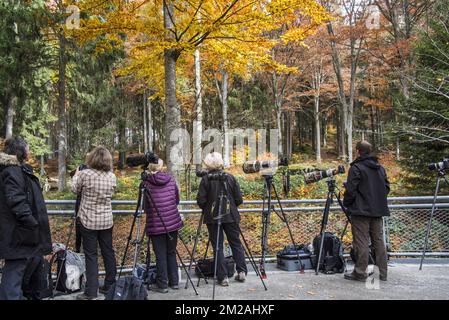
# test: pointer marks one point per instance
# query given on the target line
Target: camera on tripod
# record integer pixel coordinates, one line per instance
(317, 175)
(255, 166)
(218, 176)
(142, 159)
(440, 166)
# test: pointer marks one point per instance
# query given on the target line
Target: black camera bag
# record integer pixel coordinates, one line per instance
(207, 267)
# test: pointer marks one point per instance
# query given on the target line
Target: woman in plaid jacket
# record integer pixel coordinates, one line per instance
(96, 185)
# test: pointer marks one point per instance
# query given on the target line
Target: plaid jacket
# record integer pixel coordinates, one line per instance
(96, 187)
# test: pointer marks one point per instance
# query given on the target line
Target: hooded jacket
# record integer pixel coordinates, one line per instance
(24, 227)
(165, 194)
(208, 199)
(367, 188)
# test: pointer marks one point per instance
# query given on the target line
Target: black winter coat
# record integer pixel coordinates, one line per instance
(208, 199)
(24, 228)
(367, 188)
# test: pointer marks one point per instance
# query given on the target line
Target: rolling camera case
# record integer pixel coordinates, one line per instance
(287, 259)
(207, 267)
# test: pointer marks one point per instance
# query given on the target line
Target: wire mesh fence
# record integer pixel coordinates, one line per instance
(404, 230)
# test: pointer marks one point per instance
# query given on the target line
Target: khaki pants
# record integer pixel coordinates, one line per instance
(364, 228)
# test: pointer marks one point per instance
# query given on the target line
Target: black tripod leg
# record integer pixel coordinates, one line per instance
(192, 258)
(217, 244)
(185, 270)
(265, 223)
(285, 220)
(323, 229)
(429, 224)
(64, 256)
(195, 244)
(204, 258)
(251, 259)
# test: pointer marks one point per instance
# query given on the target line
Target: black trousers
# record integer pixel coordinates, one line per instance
(166, 264)
(90, 240)
(12, 277)
(232, 232)
(364, 229)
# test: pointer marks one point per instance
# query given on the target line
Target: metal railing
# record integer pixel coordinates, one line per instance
(404, 230)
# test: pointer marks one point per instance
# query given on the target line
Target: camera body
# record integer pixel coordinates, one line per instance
(80, 168)
(440, 166)
(318, 175)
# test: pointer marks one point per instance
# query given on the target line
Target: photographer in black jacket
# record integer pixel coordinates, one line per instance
(24, 228)
(207, 199)
(366, 199)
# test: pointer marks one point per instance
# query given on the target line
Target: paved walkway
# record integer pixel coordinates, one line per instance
(405, 282)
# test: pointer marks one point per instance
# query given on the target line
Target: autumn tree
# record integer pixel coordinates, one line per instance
(170, 28)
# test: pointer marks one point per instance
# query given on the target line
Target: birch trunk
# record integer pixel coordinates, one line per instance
(150, 134)
(198, 123)
(62, 127)
(316, 115)
(145, 131)
(224, 103)
(10, 117)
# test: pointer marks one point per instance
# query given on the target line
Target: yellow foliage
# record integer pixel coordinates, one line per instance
(233, 35)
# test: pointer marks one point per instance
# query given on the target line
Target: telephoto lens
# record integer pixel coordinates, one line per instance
(315, 176)
(255, 166)
(142, 159)
(443, 165)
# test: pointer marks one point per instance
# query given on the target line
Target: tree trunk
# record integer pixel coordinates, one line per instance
(145, 130)
(224, 103)
(324, 129)
(62, 128)
(316, 115)
(172, 110)
(373, 129)
(341, 92)
(10, 117)
(150, 133)
(198, 122)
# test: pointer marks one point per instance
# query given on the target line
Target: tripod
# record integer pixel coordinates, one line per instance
(137, 216)
(441, 175)
(223, 195)
(331, 193)
(268, 188)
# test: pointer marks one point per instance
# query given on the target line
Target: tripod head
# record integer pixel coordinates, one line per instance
(331, 184)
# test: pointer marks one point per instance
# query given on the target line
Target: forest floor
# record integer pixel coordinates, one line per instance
(405, 282)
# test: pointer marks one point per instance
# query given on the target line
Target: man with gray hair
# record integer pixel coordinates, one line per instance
(366, 200)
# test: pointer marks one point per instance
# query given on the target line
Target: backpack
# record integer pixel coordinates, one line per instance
(147, 275)
(37, 283)
(128, 288)
(70, 273)
(332, 260)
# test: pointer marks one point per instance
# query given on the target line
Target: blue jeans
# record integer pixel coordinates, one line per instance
(12, 277)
